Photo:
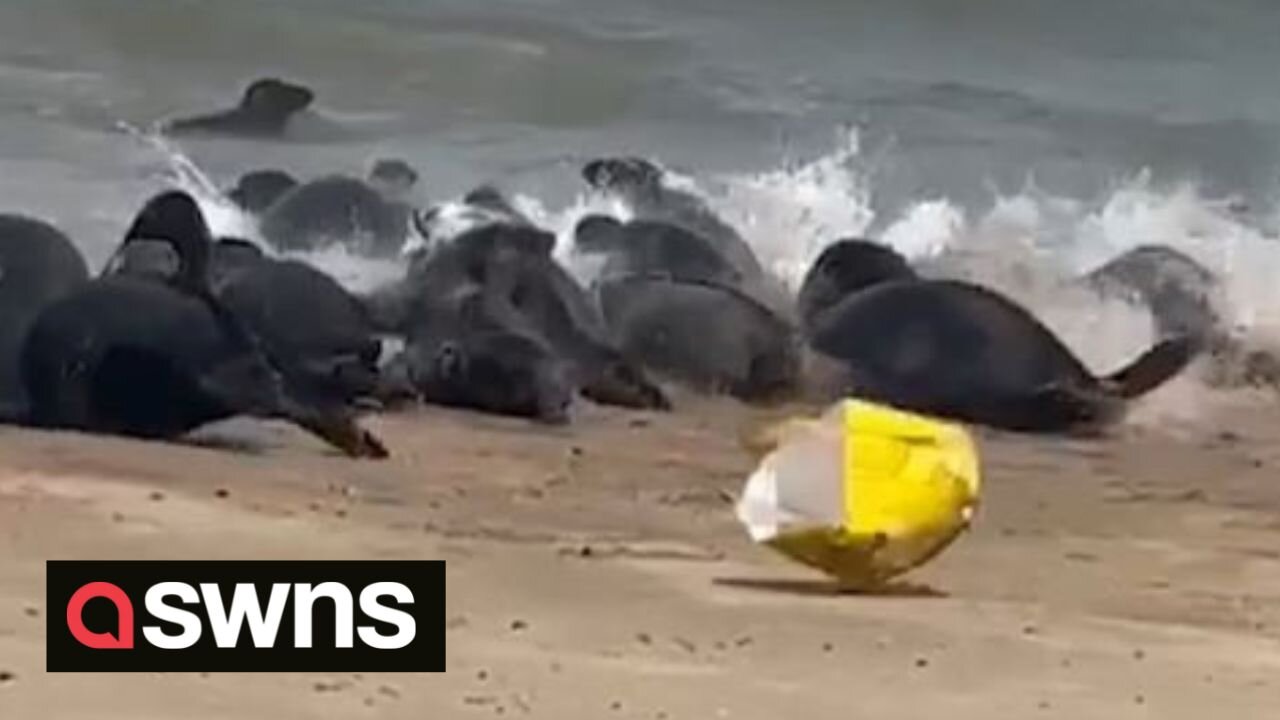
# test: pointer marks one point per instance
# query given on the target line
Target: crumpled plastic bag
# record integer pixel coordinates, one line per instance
(864, 493)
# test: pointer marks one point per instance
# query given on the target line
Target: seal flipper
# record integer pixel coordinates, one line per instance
(255, 388)
(336, 427)
(1061, 407)
(1154, 368)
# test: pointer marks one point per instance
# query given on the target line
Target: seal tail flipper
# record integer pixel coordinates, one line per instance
(1154, 368)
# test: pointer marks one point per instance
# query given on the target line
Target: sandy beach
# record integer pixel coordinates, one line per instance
(596, 571)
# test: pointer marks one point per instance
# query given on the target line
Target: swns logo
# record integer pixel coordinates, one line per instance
(254, 616)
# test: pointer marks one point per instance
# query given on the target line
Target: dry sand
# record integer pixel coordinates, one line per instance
(597, 572)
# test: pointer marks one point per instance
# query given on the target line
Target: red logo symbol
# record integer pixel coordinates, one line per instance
(123, 639)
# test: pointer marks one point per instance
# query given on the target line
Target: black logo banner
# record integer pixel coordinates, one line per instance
(251, 616)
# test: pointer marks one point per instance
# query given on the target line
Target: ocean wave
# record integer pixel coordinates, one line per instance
(1029, 244)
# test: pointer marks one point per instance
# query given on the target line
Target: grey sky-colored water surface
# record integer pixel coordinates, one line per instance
(956, 98)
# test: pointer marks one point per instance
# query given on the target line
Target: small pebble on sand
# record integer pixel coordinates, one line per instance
(222, 493)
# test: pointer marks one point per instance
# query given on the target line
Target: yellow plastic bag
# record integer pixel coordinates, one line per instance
(864, 493)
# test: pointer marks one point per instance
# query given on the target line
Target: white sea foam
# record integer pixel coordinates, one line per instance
(1028, 245)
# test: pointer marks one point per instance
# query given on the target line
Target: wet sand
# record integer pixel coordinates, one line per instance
(596, 571)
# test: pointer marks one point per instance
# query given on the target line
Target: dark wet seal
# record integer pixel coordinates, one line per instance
(650, 247)
(336, 210)
(846, 267)
(158, 357)
(38, 265)
(393, 171)
(642, 185)
(265, 109)
(258, 190)
(709, 337)
(964, 352)
(527, 292)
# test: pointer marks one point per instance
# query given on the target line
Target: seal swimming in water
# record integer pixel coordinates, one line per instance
(845, 267)
(336, 210)
(651, 247)
(710, 337)
(38, 265)
(157, 358)
(642, 185)
(961, 351)
(265, 111)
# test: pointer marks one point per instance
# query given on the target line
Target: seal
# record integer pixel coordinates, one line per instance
(528, 293)
(484, 205)
(464, 354)
(1184, 299)
(712, 338)
(964, 352)
(651, 247)
(38, 265)
(336, 210)
(394, 178)
(157, 358)
(643, 186)
(265, 111)
(257, 190)
(315, 332)
(232, 256)
(843, 268)
(1180, 292)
